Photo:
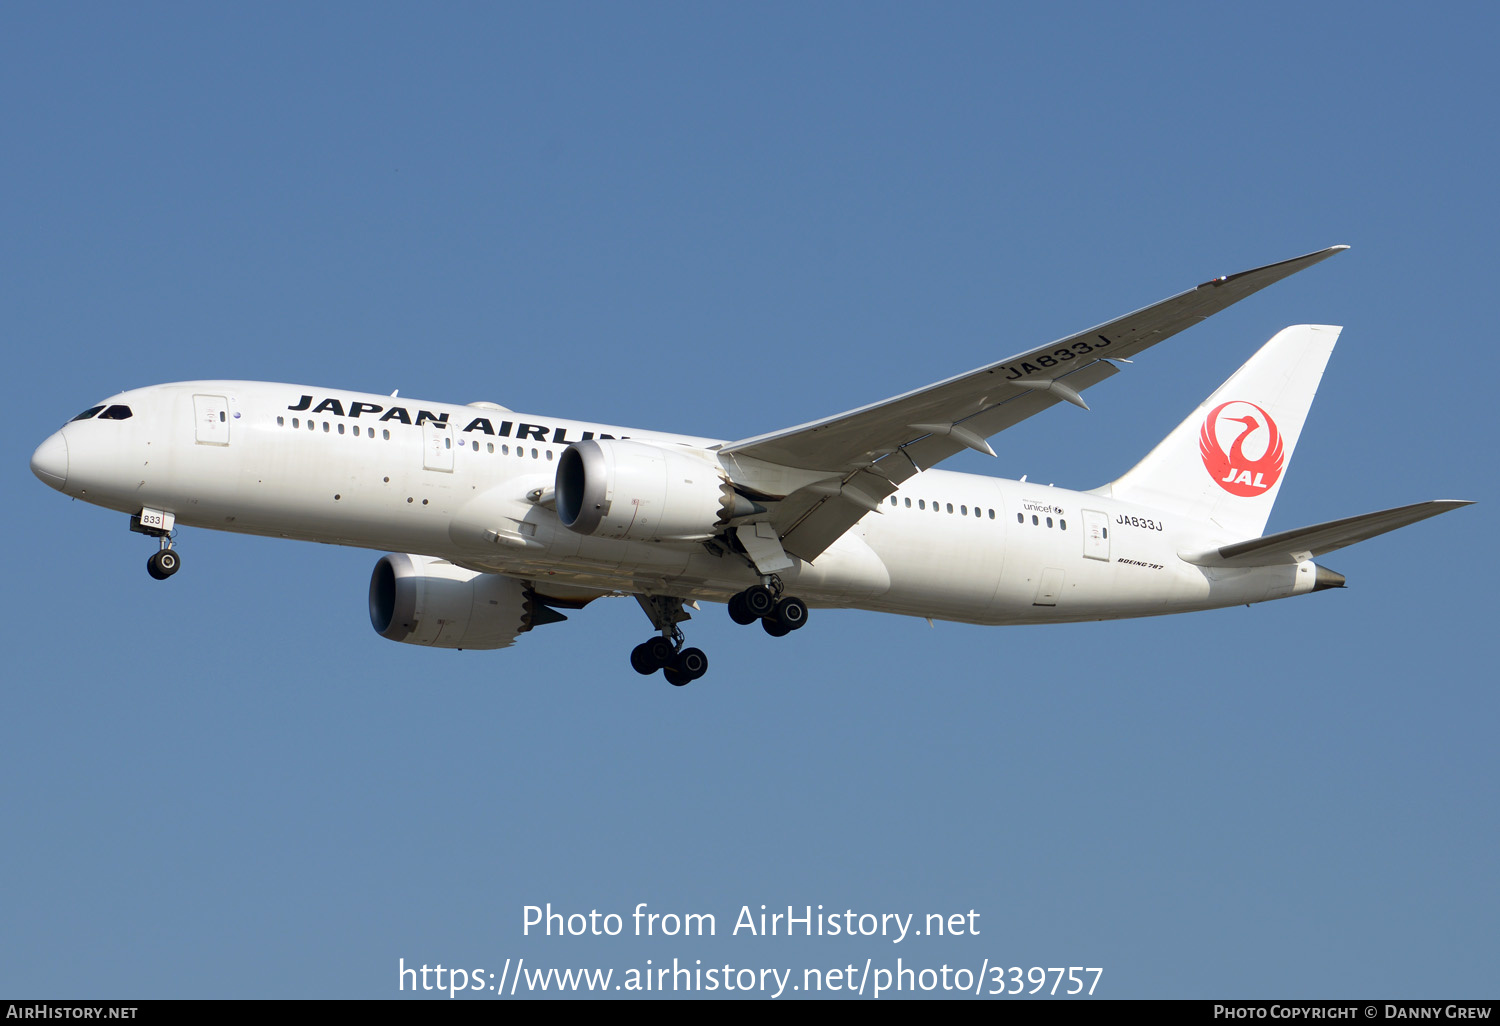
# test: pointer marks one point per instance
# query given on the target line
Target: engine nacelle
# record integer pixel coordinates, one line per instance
(424, 601)
(623, 489)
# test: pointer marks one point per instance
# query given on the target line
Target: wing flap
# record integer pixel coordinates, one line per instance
(810, 520)
(1305, 543)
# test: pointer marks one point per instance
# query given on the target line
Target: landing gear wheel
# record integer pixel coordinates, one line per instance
(641, 661)
(666, 653)
(791, 613)
(759, 600)
(739, 610)
(774, 629)
(651, 655)
(163, 564)
(690, 663)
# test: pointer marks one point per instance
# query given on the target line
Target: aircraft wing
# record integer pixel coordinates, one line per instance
(868, 452)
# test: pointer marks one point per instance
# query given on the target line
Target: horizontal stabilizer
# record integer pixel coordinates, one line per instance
(1307, 542)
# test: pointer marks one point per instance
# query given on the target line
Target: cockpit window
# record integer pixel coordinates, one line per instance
(86, 414)
(116, 413)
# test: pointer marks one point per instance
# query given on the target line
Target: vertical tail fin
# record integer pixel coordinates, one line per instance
(1226, 462)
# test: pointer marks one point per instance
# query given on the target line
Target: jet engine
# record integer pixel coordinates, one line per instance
(623, 489)
(424, 601)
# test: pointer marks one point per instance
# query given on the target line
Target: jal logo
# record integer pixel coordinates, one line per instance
(1253, 461)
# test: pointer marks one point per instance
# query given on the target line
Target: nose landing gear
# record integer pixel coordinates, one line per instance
(153, 522)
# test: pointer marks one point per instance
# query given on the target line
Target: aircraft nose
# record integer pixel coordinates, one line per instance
(50, 461)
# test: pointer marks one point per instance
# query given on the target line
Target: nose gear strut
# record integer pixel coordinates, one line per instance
(165, 561)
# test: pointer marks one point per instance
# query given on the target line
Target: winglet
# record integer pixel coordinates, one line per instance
(1291, 266)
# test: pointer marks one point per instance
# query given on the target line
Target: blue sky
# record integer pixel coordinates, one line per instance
(721, 221)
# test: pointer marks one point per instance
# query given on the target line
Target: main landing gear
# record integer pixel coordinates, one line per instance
(778, 614)
(165, 561)
(679, 665)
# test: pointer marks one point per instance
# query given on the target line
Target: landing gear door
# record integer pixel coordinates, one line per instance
(1096, 534)
(437, 446)
(211, 419)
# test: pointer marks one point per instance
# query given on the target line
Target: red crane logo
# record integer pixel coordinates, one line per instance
(1235, 472)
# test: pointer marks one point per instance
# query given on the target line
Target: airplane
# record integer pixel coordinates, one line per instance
(495, 521)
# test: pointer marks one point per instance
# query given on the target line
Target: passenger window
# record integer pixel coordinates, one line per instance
(341, 427)
(1034, 521)
(325, 427)
(1062, 525)
(1049, 521)
(385, 434)
(963, 511)
(281, 422)
(992, 514)
(921, 504)
(908, 504)
(950, 507)
(86, 414)
(549, 454)
(489, 446)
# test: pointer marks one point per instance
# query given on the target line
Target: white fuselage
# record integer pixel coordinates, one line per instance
(471, 484)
